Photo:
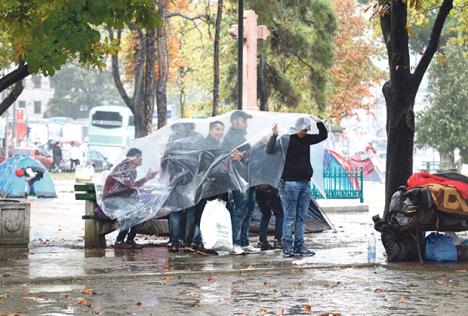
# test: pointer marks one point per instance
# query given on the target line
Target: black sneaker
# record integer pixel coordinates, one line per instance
(264, 245)
(133, 244)
(305, 253)
(288, 253)
(173, 248)
(278, 244)
(206, 252)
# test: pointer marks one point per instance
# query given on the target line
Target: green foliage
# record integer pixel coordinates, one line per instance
(443, 125)
(45, 34)
(79, 89)
(298, 53)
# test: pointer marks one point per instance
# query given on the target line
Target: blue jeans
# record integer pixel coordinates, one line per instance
(295, 196)
(241, 206)
(182, 226)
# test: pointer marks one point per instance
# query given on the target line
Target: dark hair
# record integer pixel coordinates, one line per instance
(240, 114)
(133, 152)
(214, 123)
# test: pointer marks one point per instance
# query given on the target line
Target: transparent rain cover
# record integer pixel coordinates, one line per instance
(193, 164)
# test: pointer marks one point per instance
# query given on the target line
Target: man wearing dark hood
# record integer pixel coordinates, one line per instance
(240, 204)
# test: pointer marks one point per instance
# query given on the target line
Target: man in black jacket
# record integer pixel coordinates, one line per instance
(295, 182)
(240, 204)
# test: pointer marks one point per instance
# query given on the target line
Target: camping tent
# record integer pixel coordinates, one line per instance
(316, 220)
(14, 187)
(337, 164)
(370, 170)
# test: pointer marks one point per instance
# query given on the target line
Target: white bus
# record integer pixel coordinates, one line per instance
(111, 129)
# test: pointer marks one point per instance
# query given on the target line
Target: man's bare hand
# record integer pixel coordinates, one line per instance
(150, 174)
(275, 129)
(237, 155)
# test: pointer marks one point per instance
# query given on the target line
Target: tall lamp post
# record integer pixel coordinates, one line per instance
(240, 50)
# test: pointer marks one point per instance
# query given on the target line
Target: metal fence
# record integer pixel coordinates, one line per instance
(340, 184)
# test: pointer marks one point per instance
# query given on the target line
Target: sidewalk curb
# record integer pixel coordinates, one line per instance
(346, 209)
(292, 268)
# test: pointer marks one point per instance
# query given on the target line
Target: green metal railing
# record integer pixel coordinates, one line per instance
(340, 184)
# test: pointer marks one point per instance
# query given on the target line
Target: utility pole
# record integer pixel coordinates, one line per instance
(240, 51)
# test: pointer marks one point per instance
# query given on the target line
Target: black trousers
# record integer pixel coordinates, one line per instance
(132, 231)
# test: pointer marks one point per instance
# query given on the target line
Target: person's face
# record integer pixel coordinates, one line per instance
(302, 133)
(240, 123)
(217, 131)
(136, 160)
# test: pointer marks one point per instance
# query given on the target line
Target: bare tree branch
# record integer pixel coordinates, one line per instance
(12, 96)
(431, 48)
(116, 72)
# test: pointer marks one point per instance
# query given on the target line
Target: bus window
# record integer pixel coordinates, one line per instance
(106, 119)
(131, 121)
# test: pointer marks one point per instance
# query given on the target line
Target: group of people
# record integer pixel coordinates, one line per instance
(57, 156)
(223, 161)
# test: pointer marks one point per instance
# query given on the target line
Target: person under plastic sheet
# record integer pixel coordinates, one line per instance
(122, 191)
(295, 182)
(179, 165)
(240, 204)
(212, 149)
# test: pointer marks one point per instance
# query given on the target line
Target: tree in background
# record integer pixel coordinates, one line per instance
(45, 34)
(353, 73)
(401, 88)
(298, 54)
(77, 90)
(443, 125)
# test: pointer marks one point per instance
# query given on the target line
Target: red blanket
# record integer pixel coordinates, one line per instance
(422, 178)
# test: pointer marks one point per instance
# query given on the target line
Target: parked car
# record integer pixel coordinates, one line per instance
(91, 157)
(42, 156)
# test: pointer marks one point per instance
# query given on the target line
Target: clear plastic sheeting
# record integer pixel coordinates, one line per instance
(193, 160)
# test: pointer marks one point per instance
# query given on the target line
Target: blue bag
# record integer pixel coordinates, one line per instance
(439, 247)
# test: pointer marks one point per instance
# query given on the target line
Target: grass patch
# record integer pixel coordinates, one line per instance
(63, 176)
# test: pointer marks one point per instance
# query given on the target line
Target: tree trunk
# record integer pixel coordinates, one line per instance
(163, 65)
(447, 157)
(216, 59)
(148, 97)
(262, 85)
(400, 91)
(12, 96)
(12, 78)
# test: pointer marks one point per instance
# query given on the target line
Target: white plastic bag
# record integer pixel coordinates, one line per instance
(215, 226)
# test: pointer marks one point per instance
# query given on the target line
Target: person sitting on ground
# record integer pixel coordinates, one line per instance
(294, 185)
(121, 190)
(32, 175)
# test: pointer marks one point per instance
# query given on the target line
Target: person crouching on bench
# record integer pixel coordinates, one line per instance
(121, 188)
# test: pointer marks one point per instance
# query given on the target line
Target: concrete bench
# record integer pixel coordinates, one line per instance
(96, 227)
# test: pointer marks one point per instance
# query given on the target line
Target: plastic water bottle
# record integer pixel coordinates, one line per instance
(371, 248)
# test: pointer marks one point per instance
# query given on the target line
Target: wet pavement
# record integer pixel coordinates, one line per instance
(56, 276)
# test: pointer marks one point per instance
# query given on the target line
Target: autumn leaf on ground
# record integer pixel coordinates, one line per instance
(139, 303)
(211, 279)
(280, 312)
(167, 277)
(4, 295)
(403, 298)
(263, 310)
(378, 290)
(81, 302)
(6, 274)
(167, 268)
(87, 291)
(308, 308)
